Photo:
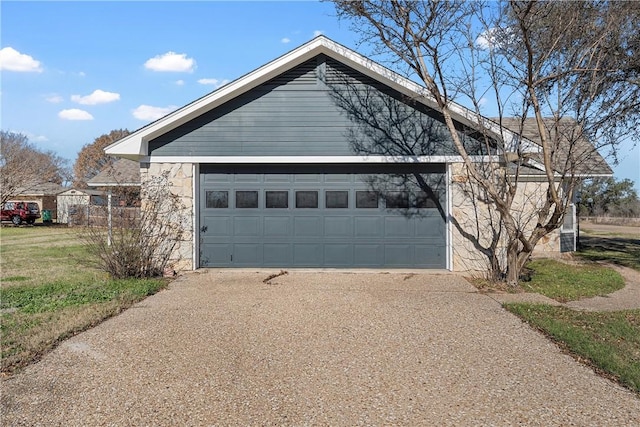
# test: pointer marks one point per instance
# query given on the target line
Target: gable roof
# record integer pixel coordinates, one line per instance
(135, 145)
(525, 140)
(42, 189)
(81, 192)
(122, 173)
(574, 152)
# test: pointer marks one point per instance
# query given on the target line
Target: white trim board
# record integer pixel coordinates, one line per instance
(312, 159)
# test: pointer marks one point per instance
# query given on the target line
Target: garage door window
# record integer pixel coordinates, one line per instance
(277, 199)
(336, 199)
(366, 199)
(246, 199)
(424, 202)
(397, 200)
(306, 199)
(217, 199)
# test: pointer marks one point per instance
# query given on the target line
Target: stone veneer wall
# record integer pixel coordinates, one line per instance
(181, 182)
(475, 218)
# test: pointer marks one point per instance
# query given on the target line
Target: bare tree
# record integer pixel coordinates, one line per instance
(559, 75)
(24, 167)
(92, 158)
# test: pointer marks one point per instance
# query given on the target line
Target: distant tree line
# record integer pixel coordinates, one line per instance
(609, 197)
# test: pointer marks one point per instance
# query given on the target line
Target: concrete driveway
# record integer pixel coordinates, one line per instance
(224, 348)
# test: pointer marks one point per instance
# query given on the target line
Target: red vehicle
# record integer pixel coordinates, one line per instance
(19, 212)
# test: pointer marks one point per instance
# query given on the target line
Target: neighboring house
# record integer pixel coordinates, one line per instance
(278, 169)
(122, 173)
(71, 200)
(45, 195)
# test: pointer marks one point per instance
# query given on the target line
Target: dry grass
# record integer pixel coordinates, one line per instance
(49, 292)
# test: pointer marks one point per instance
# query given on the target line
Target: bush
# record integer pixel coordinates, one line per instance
(139, 243)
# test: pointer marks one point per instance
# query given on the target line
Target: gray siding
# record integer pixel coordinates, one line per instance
(298, 113)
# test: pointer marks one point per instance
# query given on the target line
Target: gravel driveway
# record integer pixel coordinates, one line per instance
(224, 348)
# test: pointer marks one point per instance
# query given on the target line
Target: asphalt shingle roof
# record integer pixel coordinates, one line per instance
(123, 172)
(572, 150)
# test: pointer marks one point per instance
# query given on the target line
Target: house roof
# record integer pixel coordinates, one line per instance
(79, 192)
(135, 145)
(122, 173)
(42, 189)
(574, 153)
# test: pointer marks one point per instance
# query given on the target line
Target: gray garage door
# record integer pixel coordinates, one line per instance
(321, 216)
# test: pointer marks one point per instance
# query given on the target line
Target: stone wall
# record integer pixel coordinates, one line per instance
(181, 184)
(475, 225)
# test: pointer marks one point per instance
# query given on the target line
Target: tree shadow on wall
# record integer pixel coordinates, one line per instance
(386, 123)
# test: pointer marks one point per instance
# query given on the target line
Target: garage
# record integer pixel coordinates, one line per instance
(320, 216)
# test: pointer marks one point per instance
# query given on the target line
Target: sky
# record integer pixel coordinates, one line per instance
(72, 71)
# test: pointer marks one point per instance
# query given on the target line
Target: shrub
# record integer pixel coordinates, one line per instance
(140, 242)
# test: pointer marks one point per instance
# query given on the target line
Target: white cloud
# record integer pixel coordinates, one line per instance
(317, 33)
(171, 61)
(12, 60)
(285, 40)
(75, 114)
(484, 40)
(482, 101)
(150, 113)
(496, 37)
(97, 97)
(213, 82)
(180, 82)
(38, 138)
(54, 98)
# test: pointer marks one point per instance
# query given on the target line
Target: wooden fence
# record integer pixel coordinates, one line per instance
(91, 215)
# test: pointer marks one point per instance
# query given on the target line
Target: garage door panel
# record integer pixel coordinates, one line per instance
(277, 177)
(217, 226)
(398, 226)
(277, 226)
(307, 254)
(338, 254)
(307, 177)
(368, 226)
(247, 177)
(247, 254)
(216, 254)
(217, 177)
(277, 254)
(246, 226)
(367, 255)
(431, 256)
(307, 226)
(337, 226)
(432, 226)
(398, 255)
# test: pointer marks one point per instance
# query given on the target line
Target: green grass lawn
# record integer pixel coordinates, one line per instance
(609, 341)
(564, 282)
(49, 292)
(621, 250)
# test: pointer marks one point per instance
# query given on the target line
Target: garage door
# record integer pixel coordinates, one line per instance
(320, 216)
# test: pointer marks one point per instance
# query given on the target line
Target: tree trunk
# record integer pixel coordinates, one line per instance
(513, 268)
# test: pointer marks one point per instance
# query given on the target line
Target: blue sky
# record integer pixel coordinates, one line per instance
(90, 67)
